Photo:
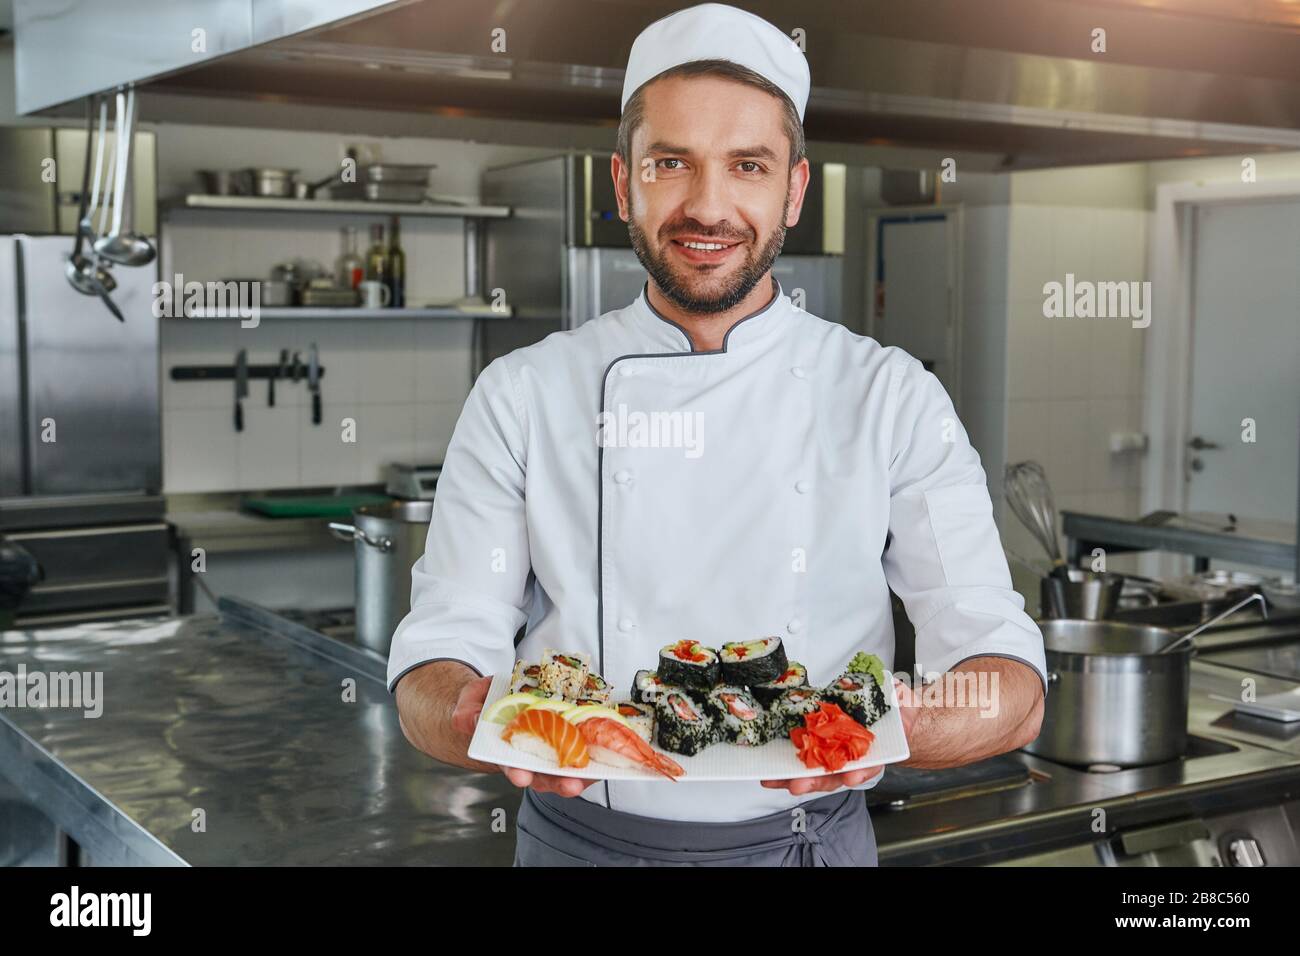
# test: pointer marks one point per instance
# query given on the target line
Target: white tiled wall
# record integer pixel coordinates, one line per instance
(1073, 382)
(1053, 390)
(401, 381)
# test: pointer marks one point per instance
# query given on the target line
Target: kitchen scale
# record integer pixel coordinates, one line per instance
(413, 482)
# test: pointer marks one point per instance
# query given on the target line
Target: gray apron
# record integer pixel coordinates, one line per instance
(569, 831)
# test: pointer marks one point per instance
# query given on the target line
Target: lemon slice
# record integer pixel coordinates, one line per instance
(509, 707)
(551, 703)
(588, 711)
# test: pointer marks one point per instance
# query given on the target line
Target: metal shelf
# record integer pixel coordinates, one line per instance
(348, 312)
(1262, 544)
(359, 207)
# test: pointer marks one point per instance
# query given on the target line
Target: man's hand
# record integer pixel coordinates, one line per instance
(464, 718)
(824, 784)
(1000, 709)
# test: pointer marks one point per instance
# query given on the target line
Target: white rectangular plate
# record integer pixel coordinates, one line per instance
(776, 760)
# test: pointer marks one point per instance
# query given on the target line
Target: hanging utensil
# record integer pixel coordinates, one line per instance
(1187, 638)
(121, 245)
(1027, 491)
(85, 274)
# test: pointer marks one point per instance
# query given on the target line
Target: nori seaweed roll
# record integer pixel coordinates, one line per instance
(681, 725)
(640, 716)
(794, 675)
(647, 687)
(738, 717)
(859, 696)
(789, 710)
(689, 664)
(752, 662)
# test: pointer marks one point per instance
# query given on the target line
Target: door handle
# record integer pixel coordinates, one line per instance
(1199, 444)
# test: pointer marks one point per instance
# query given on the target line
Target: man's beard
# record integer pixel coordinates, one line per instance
(679, 292)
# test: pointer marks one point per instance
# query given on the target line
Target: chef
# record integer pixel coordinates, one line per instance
(800, 473)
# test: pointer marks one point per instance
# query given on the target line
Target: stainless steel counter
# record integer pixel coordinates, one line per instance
(1235, 763)
(250, 727)
(243, 717)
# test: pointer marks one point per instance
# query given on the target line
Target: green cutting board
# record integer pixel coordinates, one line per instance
(311, 506)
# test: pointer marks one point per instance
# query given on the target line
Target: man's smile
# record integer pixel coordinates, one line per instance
(704, 251)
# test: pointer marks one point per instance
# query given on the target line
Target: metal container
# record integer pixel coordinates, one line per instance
(267, 181)
(417, 174)
(1087, 596)
(223, 182)
(276, 293)
(1112, 698)
(388, 540)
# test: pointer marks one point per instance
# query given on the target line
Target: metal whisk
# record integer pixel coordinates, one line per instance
(1027, 490)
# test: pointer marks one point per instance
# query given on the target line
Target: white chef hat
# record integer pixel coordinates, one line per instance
(715, 31)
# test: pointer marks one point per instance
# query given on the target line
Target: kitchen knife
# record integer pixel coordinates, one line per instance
(241, 387)
(313, 383)
(275, 373)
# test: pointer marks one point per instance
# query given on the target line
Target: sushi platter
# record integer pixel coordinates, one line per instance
(742, 712)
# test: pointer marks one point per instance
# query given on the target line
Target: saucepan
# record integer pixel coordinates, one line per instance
(388, 540)
(1087, 595)
(1117, 693)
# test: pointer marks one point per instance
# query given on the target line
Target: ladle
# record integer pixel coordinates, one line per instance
(121, 245)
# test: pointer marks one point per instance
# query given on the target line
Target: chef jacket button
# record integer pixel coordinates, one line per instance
(626, 625)
(797, 371)
(623, 476)
(626, 370)
(795, 626)
(803, 487)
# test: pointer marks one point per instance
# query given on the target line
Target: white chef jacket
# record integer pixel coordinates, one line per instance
(821, 470)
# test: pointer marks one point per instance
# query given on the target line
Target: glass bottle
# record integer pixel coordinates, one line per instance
(397, 268)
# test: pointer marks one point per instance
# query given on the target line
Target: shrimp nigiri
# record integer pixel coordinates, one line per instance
(618, 745)
(544, 733)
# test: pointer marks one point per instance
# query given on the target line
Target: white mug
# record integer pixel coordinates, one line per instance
(375, 295)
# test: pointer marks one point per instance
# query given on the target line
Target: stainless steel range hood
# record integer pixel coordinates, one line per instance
(1015, 79)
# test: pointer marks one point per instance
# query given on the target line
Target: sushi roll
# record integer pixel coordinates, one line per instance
(859, 696)
(794, 675)
(681, 724)
(564, 675)
(596, 688)
(524, 677)
(740, 718)
(689, 664)
(752, 662)
(789, 710)
(640, 716)
(647, 686)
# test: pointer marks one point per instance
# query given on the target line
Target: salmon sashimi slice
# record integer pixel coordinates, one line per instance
(554, 731)
(619, 745)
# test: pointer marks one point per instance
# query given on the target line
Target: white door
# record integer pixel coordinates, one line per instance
(1245, 361)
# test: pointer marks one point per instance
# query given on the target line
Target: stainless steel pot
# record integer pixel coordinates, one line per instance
(1118, 693)
(1112, 697)
(1088, 595)
(388, 540)
(270, 182)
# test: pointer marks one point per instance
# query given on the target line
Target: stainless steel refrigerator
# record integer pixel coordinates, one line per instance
(564, 256)
(80, 443)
